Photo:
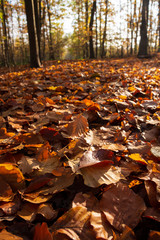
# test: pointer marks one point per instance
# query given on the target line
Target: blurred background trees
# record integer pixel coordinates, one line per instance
(100, 29)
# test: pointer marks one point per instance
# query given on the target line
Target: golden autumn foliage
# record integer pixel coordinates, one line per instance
(80, 151)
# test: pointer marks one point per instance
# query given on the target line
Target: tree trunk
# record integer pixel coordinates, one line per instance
(5, 35)
(32, 32)
(143, 30)
(78, 35)
(51, 51)
(43, 19)
(86, 18)
(137, 27)
(105, 29)
(91, 30)
(2, 57)
(131, 26)
(12, 32)
(135, 19)
(37, 19)
(100, 27)
(96, 34)
(159, 25)
(128, 25)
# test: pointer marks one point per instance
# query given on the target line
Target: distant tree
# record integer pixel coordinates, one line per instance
(143, 46)
(93, 9)
(104, 32)
(32, 24)
(6, 47)
(159, 24)
(86, 28)
(51, 50)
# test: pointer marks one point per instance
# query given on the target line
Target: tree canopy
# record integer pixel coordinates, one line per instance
(99, 29)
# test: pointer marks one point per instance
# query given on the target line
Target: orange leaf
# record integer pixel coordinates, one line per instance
(42, 232)
(12, 175)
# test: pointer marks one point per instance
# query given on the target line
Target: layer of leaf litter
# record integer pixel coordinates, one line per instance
(80, 151)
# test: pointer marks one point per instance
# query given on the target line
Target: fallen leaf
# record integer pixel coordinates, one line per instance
(122, 207)
(100, 173)
(137, 157)
(42, 232)
(76, 128)
(154, 235)
(4, 234)
(74, 224)
(12, 175)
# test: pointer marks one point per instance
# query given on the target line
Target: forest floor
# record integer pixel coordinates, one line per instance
(80, 151)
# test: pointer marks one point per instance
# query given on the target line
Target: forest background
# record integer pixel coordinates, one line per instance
(100, 28)
(80, 137)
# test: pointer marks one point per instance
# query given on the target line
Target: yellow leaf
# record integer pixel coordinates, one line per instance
(132, 89)
(12, 175)
(137, 157)
(123, 97)
(52, 88)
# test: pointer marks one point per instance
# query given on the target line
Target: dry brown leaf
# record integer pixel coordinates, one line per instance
(47, 211)
(28, 165)
(151, 189)
(101, 227)
(87, 200)
(121, 206)
(114, 147)
(55, 185)
(100, 173)
(91, 158)
(74, 224)
(128, 234)
(6, 193)
(78, 127)
(10, 208)
(155, 151)
(152, 213)
(30, 210)
(154, 235)
(4, 234)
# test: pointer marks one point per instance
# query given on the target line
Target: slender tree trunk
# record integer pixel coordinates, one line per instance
(159, 25)
(78, 35)
(43, 18)
(2, 57)
(86, 18)
(5, 34)
(51, 51)
(37, 18)
(151, 33)
(131, 26)
(13, 41)
(32, 31)
(100, 27)
(135, 18)
(91, 30)
(143, 30)
(137, 28)
(127, 29)
(21, 40)
(105, 29)
(96, 34)
(10, 42)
